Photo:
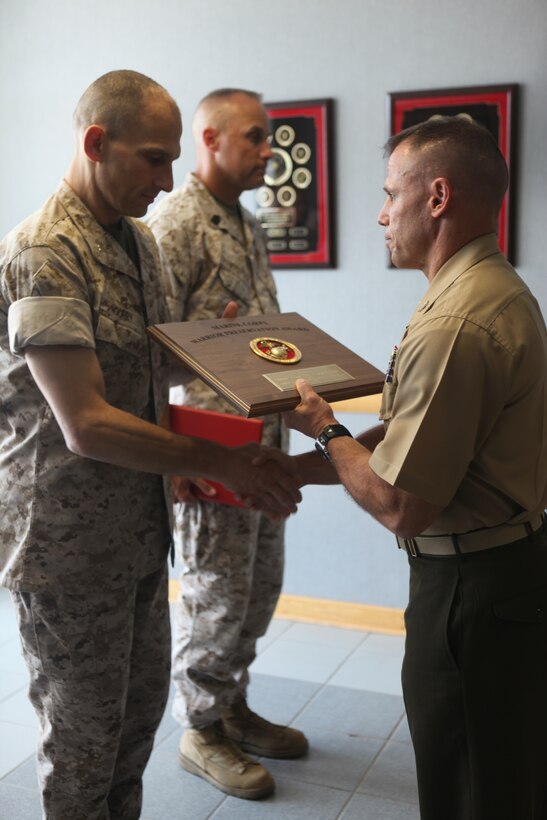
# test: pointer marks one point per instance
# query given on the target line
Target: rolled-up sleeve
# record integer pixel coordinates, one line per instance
(49, 320)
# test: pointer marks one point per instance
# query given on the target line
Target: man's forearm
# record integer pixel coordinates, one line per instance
(71, 382)
(401, 512)
(314, 469)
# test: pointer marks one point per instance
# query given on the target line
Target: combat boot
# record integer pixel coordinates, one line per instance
(260, 737)
(208, 754)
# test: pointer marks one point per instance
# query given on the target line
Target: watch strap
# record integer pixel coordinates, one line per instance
(331, 431)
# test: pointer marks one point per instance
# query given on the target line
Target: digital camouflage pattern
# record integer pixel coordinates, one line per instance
(233, 558)
(99, 680)
(231, 580)
(69, 521)
(83, 543)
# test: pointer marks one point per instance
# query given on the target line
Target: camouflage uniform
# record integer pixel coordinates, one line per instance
(83, 543)
(232, 558)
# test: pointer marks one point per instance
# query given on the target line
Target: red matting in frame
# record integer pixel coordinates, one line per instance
(295, 205)
(493, 106)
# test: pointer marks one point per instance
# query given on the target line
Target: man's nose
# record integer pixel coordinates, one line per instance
(165, 179)
(383, 216)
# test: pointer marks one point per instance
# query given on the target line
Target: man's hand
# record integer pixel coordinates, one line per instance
(313, 413)
(184, 488)
(263, 478)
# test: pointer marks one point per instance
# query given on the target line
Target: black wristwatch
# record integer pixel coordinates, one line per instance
(331, 431)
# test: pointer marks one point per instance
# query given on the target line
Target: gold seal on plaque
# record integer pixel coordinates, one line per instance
(276, 350)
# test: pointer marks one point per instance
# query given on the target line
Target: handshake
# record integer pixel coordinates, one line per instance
(262, 478)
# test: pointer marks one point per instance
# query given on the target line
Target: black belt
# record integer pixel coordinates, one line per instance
(466, 542)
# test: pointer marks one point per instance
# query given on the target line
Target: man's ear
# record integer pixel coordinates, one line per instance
(440, 194)
(94, 143)
(210, 138)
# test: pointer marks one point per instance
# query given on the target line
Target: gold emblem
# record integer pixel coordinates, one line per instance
(276, 350)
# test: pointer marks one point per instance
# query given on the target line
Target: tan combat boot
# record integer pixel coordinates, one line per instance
(260, 737)
(210, 755)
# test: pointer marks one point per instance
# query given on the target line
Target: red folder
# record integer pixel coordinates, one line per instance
(223, 428)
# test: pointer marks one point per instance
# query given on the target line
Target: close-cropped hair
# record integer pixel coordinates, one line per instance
(460, 143)
(220, 94)
(114, 101)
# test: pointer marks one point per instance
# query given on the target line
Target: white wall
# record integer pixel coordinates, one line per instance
(352, 50)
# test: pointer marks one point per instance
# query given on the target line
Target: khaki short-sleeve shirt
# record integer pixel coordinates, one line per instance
(466, 410)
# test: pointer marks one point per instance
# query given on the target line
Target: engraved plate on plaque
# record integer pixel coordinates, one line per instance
(218, 351)
(324, 374)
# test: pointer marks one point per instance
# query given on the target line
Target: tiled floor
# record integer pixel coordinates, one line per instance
(340, 686)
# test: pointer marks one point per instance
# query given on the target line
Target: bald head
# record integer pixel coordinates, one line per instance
(117, 100)
(217, 109)
(231, 132)
(461, 150)
(127, 136)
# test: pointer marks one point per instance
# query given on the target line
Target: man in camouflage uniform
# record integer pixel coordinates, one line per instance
(213, 250)
(85, 527)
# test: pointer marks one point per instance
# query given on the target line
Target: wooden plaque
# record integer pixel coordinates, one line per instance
(219, 352)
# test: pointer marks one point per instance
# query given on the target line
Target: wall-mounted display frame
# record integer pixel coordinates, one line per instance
(295, 205)
(494, 106)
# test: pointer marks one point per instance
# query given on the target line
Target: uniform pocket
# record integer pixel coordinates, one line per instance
(236, 283)
(131, 338)
(528, 607)
(56, 637)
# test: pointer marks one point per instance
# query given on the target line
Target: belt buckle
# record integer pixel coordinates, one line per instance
(411, 547)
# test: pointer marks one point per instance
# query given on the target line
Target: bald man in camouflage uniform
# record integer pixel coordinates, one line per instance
(213, 250)
(85, 529)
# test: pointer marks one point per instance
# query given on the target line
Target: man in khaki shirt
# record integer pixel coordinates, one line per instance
(458, 471)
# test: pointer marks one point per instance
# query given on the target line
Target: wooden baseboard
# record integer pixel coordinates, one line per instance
(331, 613)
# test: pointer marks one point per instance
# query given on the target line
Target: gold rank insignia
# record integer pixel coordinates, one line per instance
(276, 350)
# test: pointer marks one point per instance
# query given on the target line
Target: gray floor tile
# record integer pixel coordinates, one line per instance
(402, 732)
(18, 804)
(24, 776)
(293, 800)
(300, 660)
(279, 700)
(11, 658)
(168, 723)
(385, 645)
(352, 712)
(277, 627)
(171, 792)
(334, 760)
(17, 744)
(326, 635)
(10, 683)
(18, 709)
(393, 774)
(366, 807)
(8, 621)
(369, 671)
